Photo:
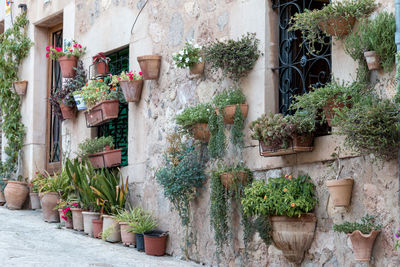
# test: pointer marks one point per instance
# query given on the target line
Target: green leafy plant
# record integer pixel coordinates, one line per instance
(196, 114)
(95, 145)
(235, 58)
(229, 97)
(128, 216)
(303, 122)
(366, 226)
(188, 56)
(144, 222)
(237, 128)
(97, 91)
(217, 143)
(58, 183)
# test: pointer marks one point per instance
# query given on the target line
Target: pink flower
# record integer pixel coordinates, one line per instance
(68, 208)
(140, 73)
(48, 48)
(75, 45)
(79, 46)
(47, 55)
(75, 205)
(131, 78)
(64, 218)
(119, 78)
(58, 49)
(64, 211)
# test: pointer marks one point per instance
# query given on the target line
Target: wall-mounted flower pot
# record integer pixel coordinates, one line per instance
(88, 218)
(229, 112)
(363, 244)
(80, 104)
(339, 26)
(68, 112)
(77, 219)
(20, 87)
(150, 66)
(109, 221)
(102, 68)
(302, 143)
(128, 238)
(132, 90)
(49, 203)
(340, 191)
(106, 159)
(329, 109)
(2, 198)
(97, 226)
(102, 112)
(227, 178)
(35, 201)
(373, 60)
(293, 235)
(68, 222)
(15, 194)
(155, 243)
(197, 68)
(140, 242)
(201, 132)
(267, 150)
(67, 66)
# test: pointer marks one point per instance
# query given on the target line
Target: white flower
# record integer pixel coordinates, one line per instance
(196, 46)
(187, 60)
(181, 52)
(200, 59)
(180, 58)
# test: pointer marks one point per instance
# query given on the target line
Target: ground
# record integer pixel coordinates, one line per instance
(26, 240)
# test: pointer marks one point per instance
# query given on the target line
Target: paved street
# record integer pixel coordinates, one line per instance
(25, 240)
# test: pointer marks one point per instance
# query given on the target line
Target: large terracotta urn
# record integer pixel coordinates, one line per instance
(49, 203)
(16, 194)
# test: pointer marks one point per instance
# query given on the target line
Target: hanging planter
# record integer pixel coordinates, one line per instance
(303, 143)
(67, 111)
(229, 112)
(275, 150)
(106, 159)
(68, 65)
(340, 191)
(100, 62)
(329, 109)
(373, 60)
(80, 104)
(67, 59)
(15, 194)
(49, 204)
(228, 178)
(197, 68)
(20, 87)
(363, 244)
(150, 66)
(155, 243)
(339, 26)
(102, 112)
(35, 201)
(132, 90)
(201, 132)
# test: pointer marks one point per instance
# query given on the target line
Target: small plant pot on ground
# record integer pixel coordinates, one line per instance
(77, 219)
(150, 66)
(293, 235)
(340, 191)
(229, 112)
(140, 242)
(67, 66)
(155, 243)
(67, 223)
(128, 238)
(197, 68)
(111, 226)
(88, 218)
(68, 112)
(35, 201)
(339, 26)
(97, 226)
(2, 199)
(201, 132)
(80, 104)
(373, 60)
(363, 244)
(20, 87)
(106, 159)
(102, 112)
(227, 178)
(102, 68)
(132, 90)
(49, 203)
(15, 194)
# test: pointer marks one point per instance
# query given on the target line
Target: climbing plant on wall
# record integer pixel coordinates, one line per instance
(14, 47)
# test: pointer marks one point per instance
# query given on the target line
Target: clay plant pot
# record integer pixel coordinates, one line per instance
(293, 235)
(140, 242)
(106, 159)
(15, 194)
(102, 68)
(339, 26)
(200, 132)
(2, 198)
(363, 244)
(109, 221)
(97, 226)
(77, 219)
(20, 87)
(132, 90)
(49, 203)
(155, 243)
(88, 218)
(197, 68)
(68, 112)
(102, 112)
(35, 201)
(373, 60)
(128, 238)
(67, 223)
(227, 178)
(80, 104)
(340, 191)
(303, 142)
(329, 109)
(67, 66)
(229, 112)
(150, 66)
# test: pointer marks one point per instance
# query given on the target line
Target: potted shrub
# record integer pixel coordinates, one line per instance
(77, 217)
(65, 213)
(194, 121)
(228, 101)
(125, 217)
(190, 57)
(100, 62)
(303, 130)
(16, 193)
(20, 87)
(287, 201)
(34, 192)
(233, 175)
(144, 223)
(131, 85)
(100, 152)
(362, 236)
(50, 191)
(68, 58)
(150, 66)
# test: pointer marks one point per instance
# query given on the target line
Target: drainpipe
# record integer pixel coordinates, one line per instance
(397, 41)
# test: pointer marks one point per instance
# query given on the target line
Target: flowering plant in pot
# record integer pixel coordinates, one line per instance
(190, 57)
(131, 84)
(194, 121)
(64, 210)
(362, 236)
(144, 223)
(100, 152)
(287, 201)
(100, 62)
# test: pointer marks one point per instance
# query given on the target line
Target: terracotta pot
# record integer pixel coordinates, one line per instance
(102, 68)
(132, 90)
(102, 112)
(128, 238)
(340, 191)
(106, 159)
(329, 109)
(200, 132)
(109, 221)
(20, 87)
(35, 201)
(197, 68)
(2, 198)
(80, 104)
(227, 178)
(363, 244)
(67, 223)
(77, 219)
(373, 60)
(88, 218)
(155, 243)
(68, 112)
(302, 141)
(229, 112)
(339, 26)
(293, 235)
(16, 194)
(49, 203)
(97, 226)
(150, 66)
(67, 66)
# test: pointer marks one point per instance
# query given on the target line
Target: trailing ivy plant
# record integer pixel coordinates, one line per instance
(14, 47)
(217, 143)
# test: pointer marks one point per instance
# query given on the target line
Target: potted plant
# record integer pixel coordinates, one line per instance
(100, 152)
(16, 193)
(190, 57)
(303, 130)
(233, 175)
(125, 217)
(100, 62)
(194, 121)
(65, 213)
(150, 66)
(131, 85)
(287, 201)
(79, 102)
(68, 58)
(20, 87)
(362, 236)
(144, 223)
(34, 191)
(228, 101)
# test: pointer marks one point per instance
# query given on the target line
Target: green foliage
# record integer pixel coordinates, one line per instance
(14, 47)
(303, 122)
(58, 183)
(366, 226)
(97, 144)
(264, 228)
(97, 91)
(128, 216)
(188, 56)
(196, 114)
(237, 128)
(217, 143)
(144, 222)
(229, 97)
(235, 58)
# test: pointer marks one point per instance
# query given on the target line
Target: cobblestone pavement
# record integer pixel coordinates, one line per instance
(26, 240)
